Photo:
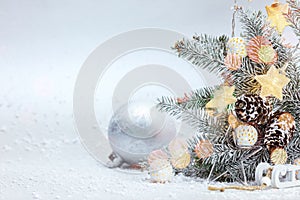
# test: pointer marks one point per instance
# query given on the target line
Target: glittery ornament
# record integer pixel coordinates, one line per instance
(222, 98)
(161, 171)
(180, 157)
(181, 161)
(160, 168)
(252, 108)
(237, 46)
(177, 147)
(233, 121)
(272, 83)
(266, 54)
(204, 149)
(260, 50)
(233, 61)
(276, 16)
(157, 155)
(278, 156)
(245, 136)
(137, 129)
(279, 130)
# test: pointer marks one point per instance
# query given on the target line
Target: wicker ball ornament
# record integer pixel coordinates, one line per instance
(232, 61)
(279, 130)
(157, 155)
(278, 156)
(161, 171)
(181, 161)
(160, 168)
(260, 50)
(177, 147)
(245, 136)
(252, 108)
(204, 149)
(267, 54)
(180, 157)
(237, 46)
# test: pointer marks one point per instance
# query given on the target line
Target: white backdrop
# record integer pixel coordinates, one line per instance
(43, 44)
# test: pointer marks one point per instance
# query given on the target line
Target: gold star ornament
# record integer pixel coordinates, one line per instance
(272, 82)
(222, 98)
(276, 15)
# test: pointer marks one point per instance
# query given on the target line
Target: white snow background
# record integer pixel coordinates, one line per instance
(43, 44)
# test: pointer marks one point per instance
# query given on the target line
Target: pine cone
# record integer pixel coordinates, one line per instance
(252, 109)
(279, 130)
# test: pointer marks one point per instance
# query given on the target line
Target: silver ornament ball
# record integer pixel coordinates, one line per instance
(137, 129)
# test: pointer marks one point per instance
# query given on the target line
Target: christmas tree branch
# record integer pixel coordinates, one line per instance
(209, 52)
(294, 15)
(291, 93)
(253, 24)
(197, 118)
(197, 99)
(245, 77)
(228, 157)
(204, 51)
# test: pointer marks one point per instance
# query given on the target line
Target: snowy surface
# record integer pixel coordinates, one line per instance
(83, 178)
(42, 47)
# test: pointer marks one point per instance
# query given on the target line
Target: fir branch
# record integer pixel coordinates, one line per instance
(291, 94)
(204, 51)
(293, 15)
(197, 118)
(208, 53)
(244, 77)
(227, 157)
(293, 149)
(253, 24)
(197, 98)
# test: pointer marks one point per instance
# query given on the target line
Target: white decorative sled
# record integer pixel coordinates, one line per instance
(283, 176)
(261, 169)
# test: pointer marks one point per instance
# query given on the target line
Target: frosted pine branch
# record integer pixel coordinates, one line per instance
(204, 51)
(253, 24)
(294, 15)
(197, 118)
(196, 99)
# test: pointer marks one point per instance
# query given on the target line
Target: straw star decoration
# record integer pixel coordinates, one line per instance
(276, 15)
(222, 98)
(272, 82)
